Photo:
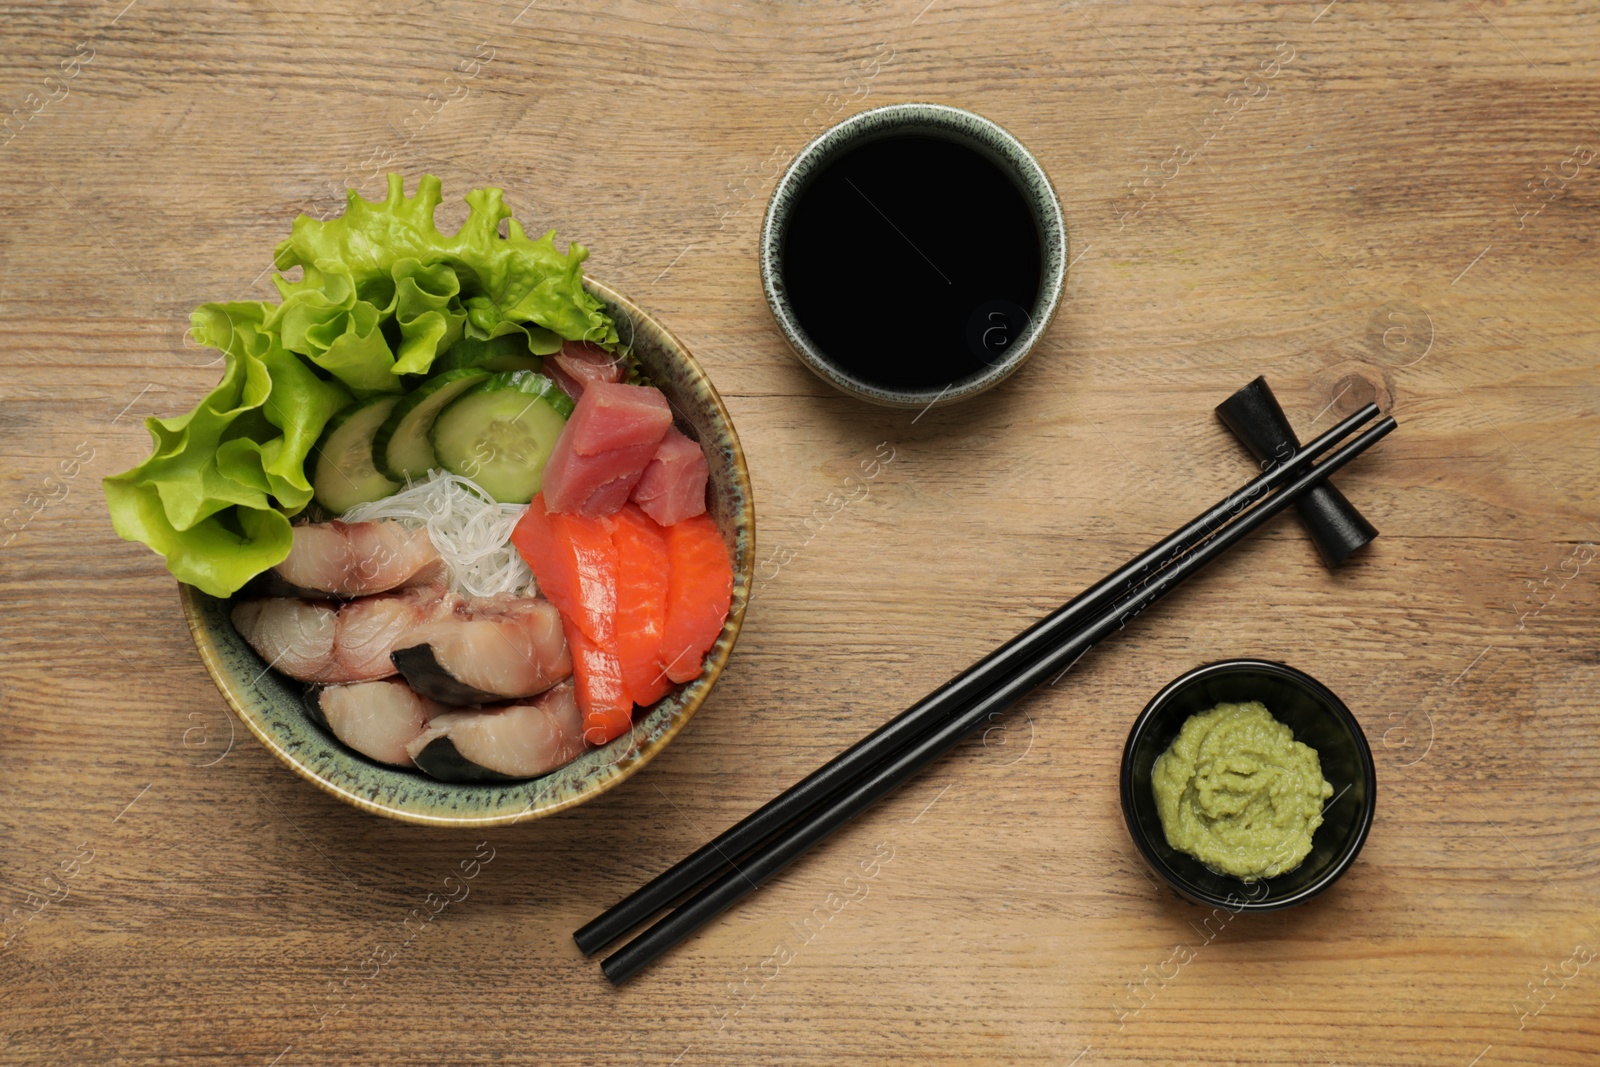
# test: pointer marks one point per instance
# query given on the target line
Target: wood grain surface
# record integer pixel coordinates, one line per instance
(1358, 199)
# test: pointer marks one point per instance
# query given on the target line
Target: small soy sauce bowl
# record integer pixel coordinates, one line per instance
(1317, 717)
(966, 244)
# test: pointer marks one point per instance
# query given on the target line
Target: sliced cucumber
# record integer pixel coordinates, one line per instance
(500, 432)
(401, 449)
(343, 475)
(512, 361)
(508, 352)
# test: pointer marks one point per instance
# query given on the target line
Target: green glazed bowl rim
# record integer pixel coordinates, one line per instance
(964, 127)
(271, 709)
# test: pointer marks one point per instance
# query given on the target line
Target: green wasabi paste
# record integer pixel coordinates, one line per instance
(1238, 793)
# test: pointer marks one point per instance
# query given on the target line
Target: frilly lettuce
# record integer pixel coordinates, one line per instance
(217, 491)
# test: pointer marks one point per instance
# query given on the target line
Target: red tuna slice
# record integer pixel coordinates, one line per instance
(566, 382)
(579, 364)
(594, 486)
(611, 415)
(699, 590)
(673, 486)
(642, 576)
(604, 448)
(575, 563)
(603, 696)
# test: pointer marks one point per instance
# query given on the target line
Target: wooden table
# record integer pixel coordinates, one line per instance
(1357, 199)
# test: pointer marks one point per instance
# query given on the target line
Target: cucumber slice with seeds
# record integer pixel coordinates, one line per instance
(343, 474)
(500, 433)
(401, 449)
(507, 352)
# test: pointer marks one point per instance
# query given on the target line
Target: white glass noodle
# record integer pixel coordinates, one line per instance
(471, 531)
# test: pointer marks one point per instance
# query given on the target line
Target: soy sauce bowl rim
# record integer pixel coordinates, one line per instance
(1153, 855)
(944, 120)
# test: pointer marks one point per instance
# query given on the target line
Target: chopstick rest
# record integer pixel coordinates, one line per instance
(1258, 421)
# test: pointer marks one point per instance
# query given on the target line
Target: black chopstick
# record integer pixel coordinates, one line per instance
(789, 846)
(936, 708)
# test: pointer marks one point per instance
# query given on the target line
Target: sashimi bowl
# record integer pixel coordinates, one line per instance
(280, 713)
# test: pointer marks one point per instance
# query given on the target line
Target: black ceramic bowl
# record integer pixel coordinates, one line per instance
(1317, 718)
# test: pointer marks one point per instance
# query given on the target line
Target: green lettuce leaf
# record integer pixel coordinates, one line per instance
(208, 554)
(322, 319)
(438, 288)
(215, 496)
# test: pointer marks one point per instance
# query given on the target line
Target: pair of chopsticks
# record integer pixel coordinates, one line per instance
(775, 835)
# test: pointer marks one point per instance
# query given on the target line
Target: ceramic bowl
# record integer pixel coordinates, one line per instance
(271, 707)
(1317, 717)
(949, 123)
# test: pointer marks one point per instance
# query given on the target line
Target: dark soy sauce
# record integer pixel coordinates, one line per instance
(910, 261)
